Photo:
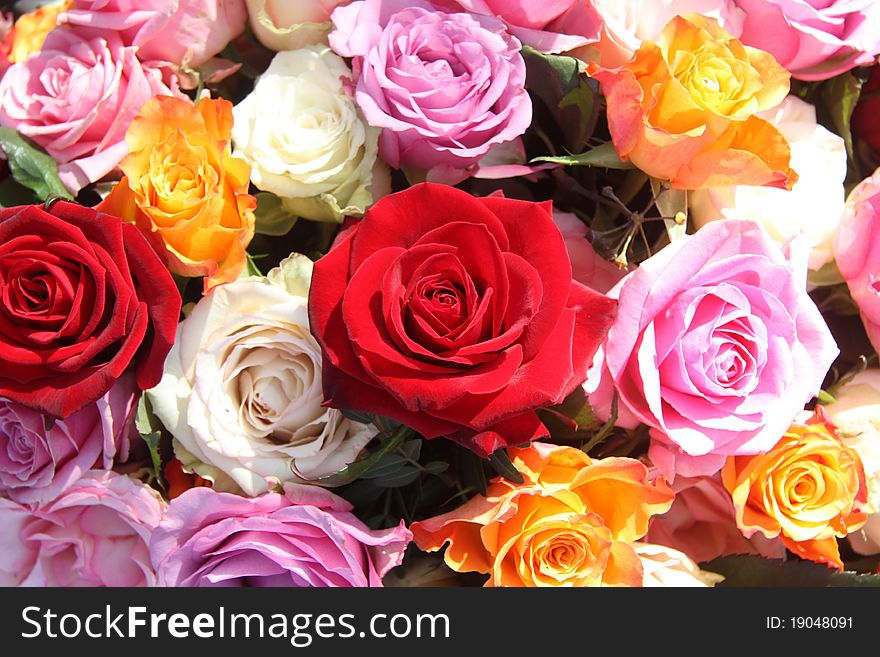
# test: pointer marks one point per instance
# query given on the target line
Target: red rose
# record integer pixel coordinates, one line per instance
(455, 315)
(865, 118)
(83, 297)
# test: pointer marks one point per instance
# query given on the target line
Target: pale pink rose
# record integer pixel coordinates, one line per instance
(716, 346)
(76, 99)
(857, 251)
(814, 39)
(95, 534)
(40, 459)
(183, 32)
(444, 87)
(626, 23)
(702, 524)
(587, 266)
(550, 26)
(305, 537)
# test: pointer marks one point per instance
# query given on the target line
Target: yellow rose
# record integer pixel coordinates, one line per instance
(809, 489)
(183, 188)
(683, 109)
(571, 523)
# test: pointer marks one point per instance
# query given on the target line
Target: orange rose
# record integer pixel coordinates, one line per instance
(683, 109)
(183, 188)
(809, 489)
(571, 523)
(30, 30)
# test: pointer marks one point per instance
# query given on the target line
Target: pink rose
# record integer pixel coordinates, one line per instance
(76, 99)
(445, 88)
(716, 346)
(587, 266)
(95, 534)
(304, 537)
(814, 39)
(39, 460)
(549, 26)
(857, 251)
(702, 524)
(183, 32)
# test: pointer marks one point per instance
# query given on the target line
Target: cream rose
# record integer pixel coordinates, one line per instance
(812, 208)
(286, 25)
(856, 414)
(666, 567)
(305, 138)
(242, 390)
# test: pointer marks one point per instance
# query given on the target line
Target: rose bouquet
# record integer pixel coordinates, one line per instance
(439, 292)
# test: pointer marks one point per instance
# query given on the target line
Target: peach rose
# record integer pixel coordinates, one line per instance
(809, 489)
(184, 190)
(571, 523)
(31, 30)
(683, 109)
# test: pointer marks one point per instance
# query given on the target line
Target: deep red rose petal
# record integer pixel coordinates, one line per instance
(402, 219)
(544, 380)
(535, 237)
(112, 319)
(594, 315)
(344, 391)
(520, 429)
(415, 383)
(161, 302)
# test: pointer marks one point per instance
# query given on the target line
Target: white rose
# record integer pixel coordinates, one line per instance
(812, 209)
(856, 413)
(305, 138)
(626, 23)
(242, 390)
(291, 24)
(664, 566)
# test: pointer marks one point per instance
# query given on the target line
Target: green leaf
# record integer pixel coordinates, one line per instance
(271, 217)
(840, 95)
(826, 398)
(601, 156)
(436, 467)
(12, 194)
(31, 166)
(749, 571)
(150, 430)
(357, 469)
(605, 430)
(357, 416)
(562, 85)
(573, 419)
(401, 477)
(251, 269)
(502, 464)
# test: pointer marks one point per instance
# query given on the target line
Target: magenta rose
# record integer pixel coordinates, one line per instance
(183, 32)
(306, 536)
(548, 26)
(814, 39)
(716, 346)
(95, 534)
(445, 88)
(76, 99)
(702, 524)
(40, 459)
(857, 251)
